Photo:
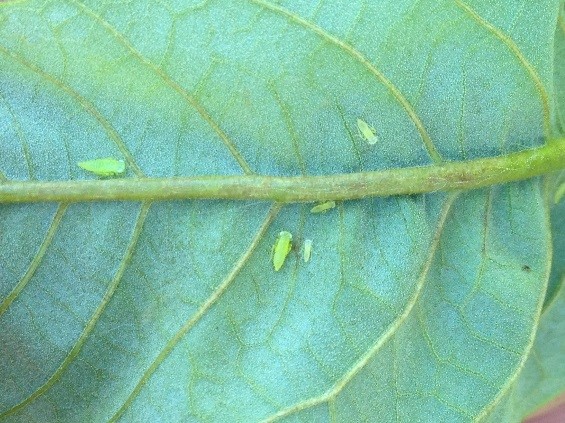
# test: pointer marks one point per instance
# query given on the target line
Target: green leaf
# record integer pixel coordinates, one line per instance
(558, 211)
(543, 376)
(412, 308)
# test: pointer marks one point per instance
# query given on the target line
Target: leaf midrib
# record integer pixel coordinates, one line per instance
(452, 176)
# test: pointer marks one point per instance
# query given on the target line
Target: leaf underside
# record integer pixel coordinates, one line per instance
(411, 308)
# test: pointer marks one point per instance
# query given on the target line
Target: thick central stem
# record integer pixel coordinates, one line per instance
(449, 176)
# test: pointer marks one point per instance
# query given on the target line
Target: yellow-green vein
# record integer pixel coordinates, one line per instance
(287, 118)
(357, 55)
(330, 395)
(36, 259)
(21, 135)
(484, 413)
(230, 145)
(521, 59)
(75, 350)
(195, 318)
(86, 104)
(421, 320)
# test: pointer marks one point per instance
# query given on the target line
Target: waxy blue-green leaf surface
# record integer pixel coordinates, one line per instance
(543, 376)
(412, 308)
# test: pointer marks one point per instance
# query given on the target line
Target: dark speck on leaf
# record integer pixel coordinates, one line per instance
(526, 268)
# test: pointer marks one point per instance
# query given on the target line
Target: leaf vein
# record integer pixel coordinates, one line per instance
(36, 261)
(515, 50)
(86, 105)
(75, 350)
(357, 55)
(21, 135)
(189, 98)
(287, 117)
(195, 318)
(336, 389)
(530, 345)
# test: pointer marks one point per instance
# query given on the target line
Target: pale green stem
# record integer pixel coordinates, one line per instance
(448, 176)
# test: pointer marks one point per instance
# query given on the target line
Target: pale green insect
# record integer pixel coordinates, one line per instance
(366, 132)
(307, 250)
(282, 247)
(323, 207)
(104, 167)
(559, 193)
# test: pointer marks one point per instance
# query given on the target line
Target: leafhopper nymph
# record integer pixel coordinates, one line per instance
(104, 167)
(366, 132)
(323, 207)
(307, 254)
(282, 247)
